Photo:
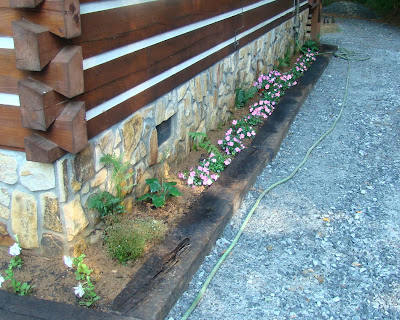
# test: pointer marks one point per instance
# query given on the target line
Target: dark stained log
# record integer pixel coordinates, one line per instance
(12, 134)
(119, 75)
(9, 75)
(133, 23)
(34, 45)
(39, 149)
(64, 73)
(61, 17)
(69, 129)
(126, 108)
(24, 3)
(40, 104)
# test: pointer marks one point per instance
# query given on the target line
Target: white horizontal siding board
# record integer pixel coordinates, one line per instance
(92, 7)
(6, 43)
(107, 105)
(9, 99)
(130, 48)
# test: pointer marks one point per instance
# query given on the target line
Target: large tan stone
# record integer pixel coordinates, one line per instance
(4, 212)
(153, 148)
(160, 111)
(24, 219)
(5, 239)
(8, 169)
(100, 177)
(62, 177)
(83, 165)
(75, 218)
(38, 176)
(132, 131)
(52, 246)
(182, 91)
(5, 197)
(50, 212)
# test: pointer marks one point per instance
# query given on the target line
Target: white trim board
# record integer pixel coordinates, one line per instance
(6, 43)
(92, 7)
(9, 99)
(133, 47)
(107, 105)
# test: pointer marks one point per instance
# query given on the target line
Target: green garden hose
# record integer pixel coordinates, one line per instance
(343, 54)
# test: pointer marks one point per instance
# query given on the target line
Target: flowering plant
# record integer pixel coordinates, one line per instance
(231, 144)
(85, 289)
(16, 262)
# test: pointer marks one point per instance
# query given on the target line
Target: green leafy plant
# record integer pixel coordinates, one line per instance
(16, 262)
(159, 192)
(107, 203)
(202, 141)
(128, 239)
(309, 46)
(244, 95)
(285, 61)
(85, 289)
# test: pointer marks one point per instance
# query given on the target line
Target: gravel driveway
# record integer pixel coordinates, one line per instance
(325, 245)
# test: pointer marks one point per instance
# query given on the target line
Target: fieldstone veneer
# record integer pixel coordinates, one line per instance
(46, 205)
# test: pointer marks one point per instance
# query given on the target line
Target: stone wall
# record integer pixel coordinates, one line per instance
(46, 204)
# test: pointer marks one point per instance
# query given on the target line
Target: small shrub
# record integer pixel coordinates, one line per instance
(128, 239)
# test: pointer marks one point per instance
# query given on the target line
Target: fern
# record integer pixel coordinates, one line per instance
(120, 173)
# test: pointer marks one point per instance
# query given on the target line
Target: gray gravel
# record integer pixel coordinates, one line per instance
(350, 9)
(325, 245)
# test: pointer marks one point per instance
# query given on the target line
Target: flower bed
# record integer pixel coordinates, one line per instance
(271, 88)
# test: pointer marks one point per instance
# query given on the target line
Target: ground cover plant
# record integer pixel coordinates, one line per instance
(95, 278)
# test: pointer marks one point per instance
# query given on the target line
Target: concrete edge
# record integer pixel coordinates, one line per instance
(160, 282)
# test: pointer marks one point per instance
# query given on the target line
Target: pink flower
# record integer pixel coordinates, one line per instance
(230, 143)
(180, 175)
(213, 160)
(237, 149)
(248, 134)
(192, 173)
(227, 138)
(241, 136)
(239, 130)
(190, 181)
(227, 161)
(219, 142)
(234, 122)
(214, 177)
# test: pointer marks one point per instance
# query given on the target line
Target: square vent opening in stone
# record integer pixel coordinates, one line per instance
(164, 131)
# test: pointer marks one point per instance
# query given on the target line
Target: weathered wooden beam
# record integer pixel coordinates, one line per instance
(65, 72)
(316, 20)
(40, 149)
(69, 129)
(34, 45)
(40, 104)
(61, 17)
(24, 3)
(12, 133)
(9, 75)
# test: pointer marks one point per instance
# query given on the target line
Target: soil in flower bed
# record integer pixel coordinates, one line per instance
(52, 280)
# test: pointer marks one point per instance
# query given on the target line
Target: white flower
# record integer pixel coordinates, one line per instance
(68, 261)
(1, 280)
(79, 291)
(15, 249)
